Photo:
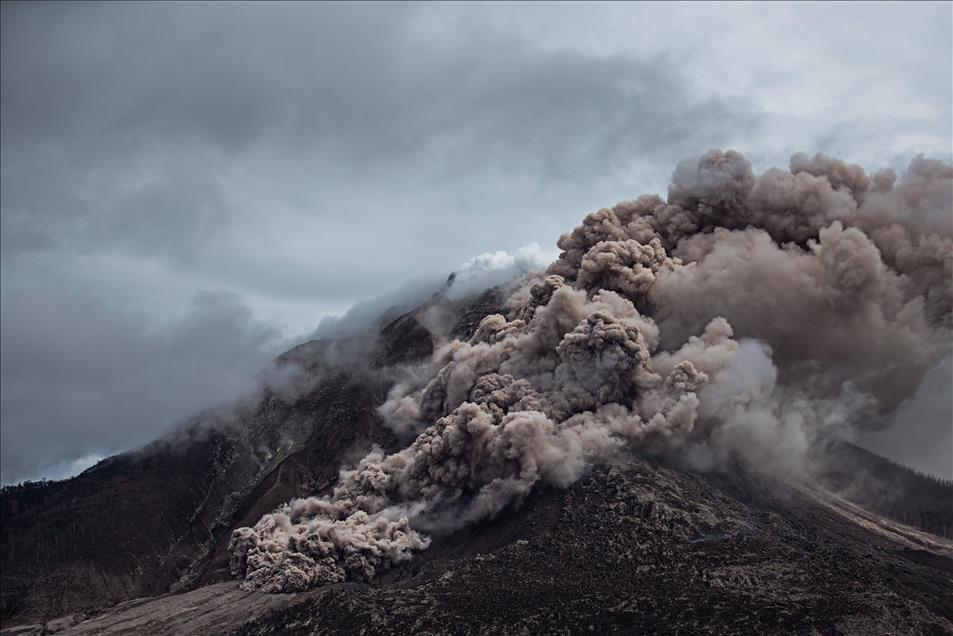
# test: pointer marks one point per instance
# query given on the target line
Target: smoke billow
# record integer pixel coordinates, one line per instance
(744, 318)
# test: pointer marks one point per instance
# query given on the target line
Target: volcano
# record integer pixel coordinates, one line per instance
(650, 436)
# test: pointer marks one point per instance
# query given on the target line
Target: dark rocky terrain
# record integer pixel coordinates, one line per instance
(645, 545)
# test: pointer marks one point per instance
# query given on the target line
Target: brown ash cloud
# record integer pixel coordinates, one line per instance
(744, 318)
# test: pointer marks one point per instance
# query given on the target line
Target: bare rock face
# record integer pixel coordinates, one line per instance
(471, 314)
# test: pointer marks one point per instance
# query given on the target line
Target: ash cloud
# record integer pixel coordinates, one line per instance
(742, 319)
(150, 150)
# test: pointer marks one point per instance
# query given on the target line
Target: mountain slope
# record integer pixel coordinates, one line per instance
(159, 518)
(642, 545)
(639, 546)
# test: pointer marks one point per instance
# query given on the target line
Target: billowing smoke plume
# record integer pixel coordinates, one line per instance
(741, 319)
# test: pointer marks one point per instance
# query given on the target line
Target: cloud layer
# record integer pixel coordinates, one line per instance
(83, 380)
(303, 157)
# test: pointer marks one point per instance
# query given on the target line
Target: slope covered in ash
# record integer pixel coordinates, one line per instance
(647, 548)
(642, 546)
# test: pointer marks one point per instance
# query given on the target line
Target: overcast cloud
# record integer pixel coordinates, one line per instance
(188, 188)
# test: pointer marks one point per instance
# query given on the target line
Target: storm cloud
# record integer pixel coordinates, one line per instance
(82, 379)
(304, 157)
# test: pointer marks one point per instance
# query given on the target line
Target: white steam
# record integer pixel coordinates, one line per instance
(495, 268)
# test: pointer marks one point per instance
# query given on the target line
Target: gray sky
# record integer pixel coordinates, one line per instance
(187, 188)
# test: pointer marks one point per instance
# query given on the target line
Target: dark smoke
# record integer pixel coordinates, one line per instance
(742, 319)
